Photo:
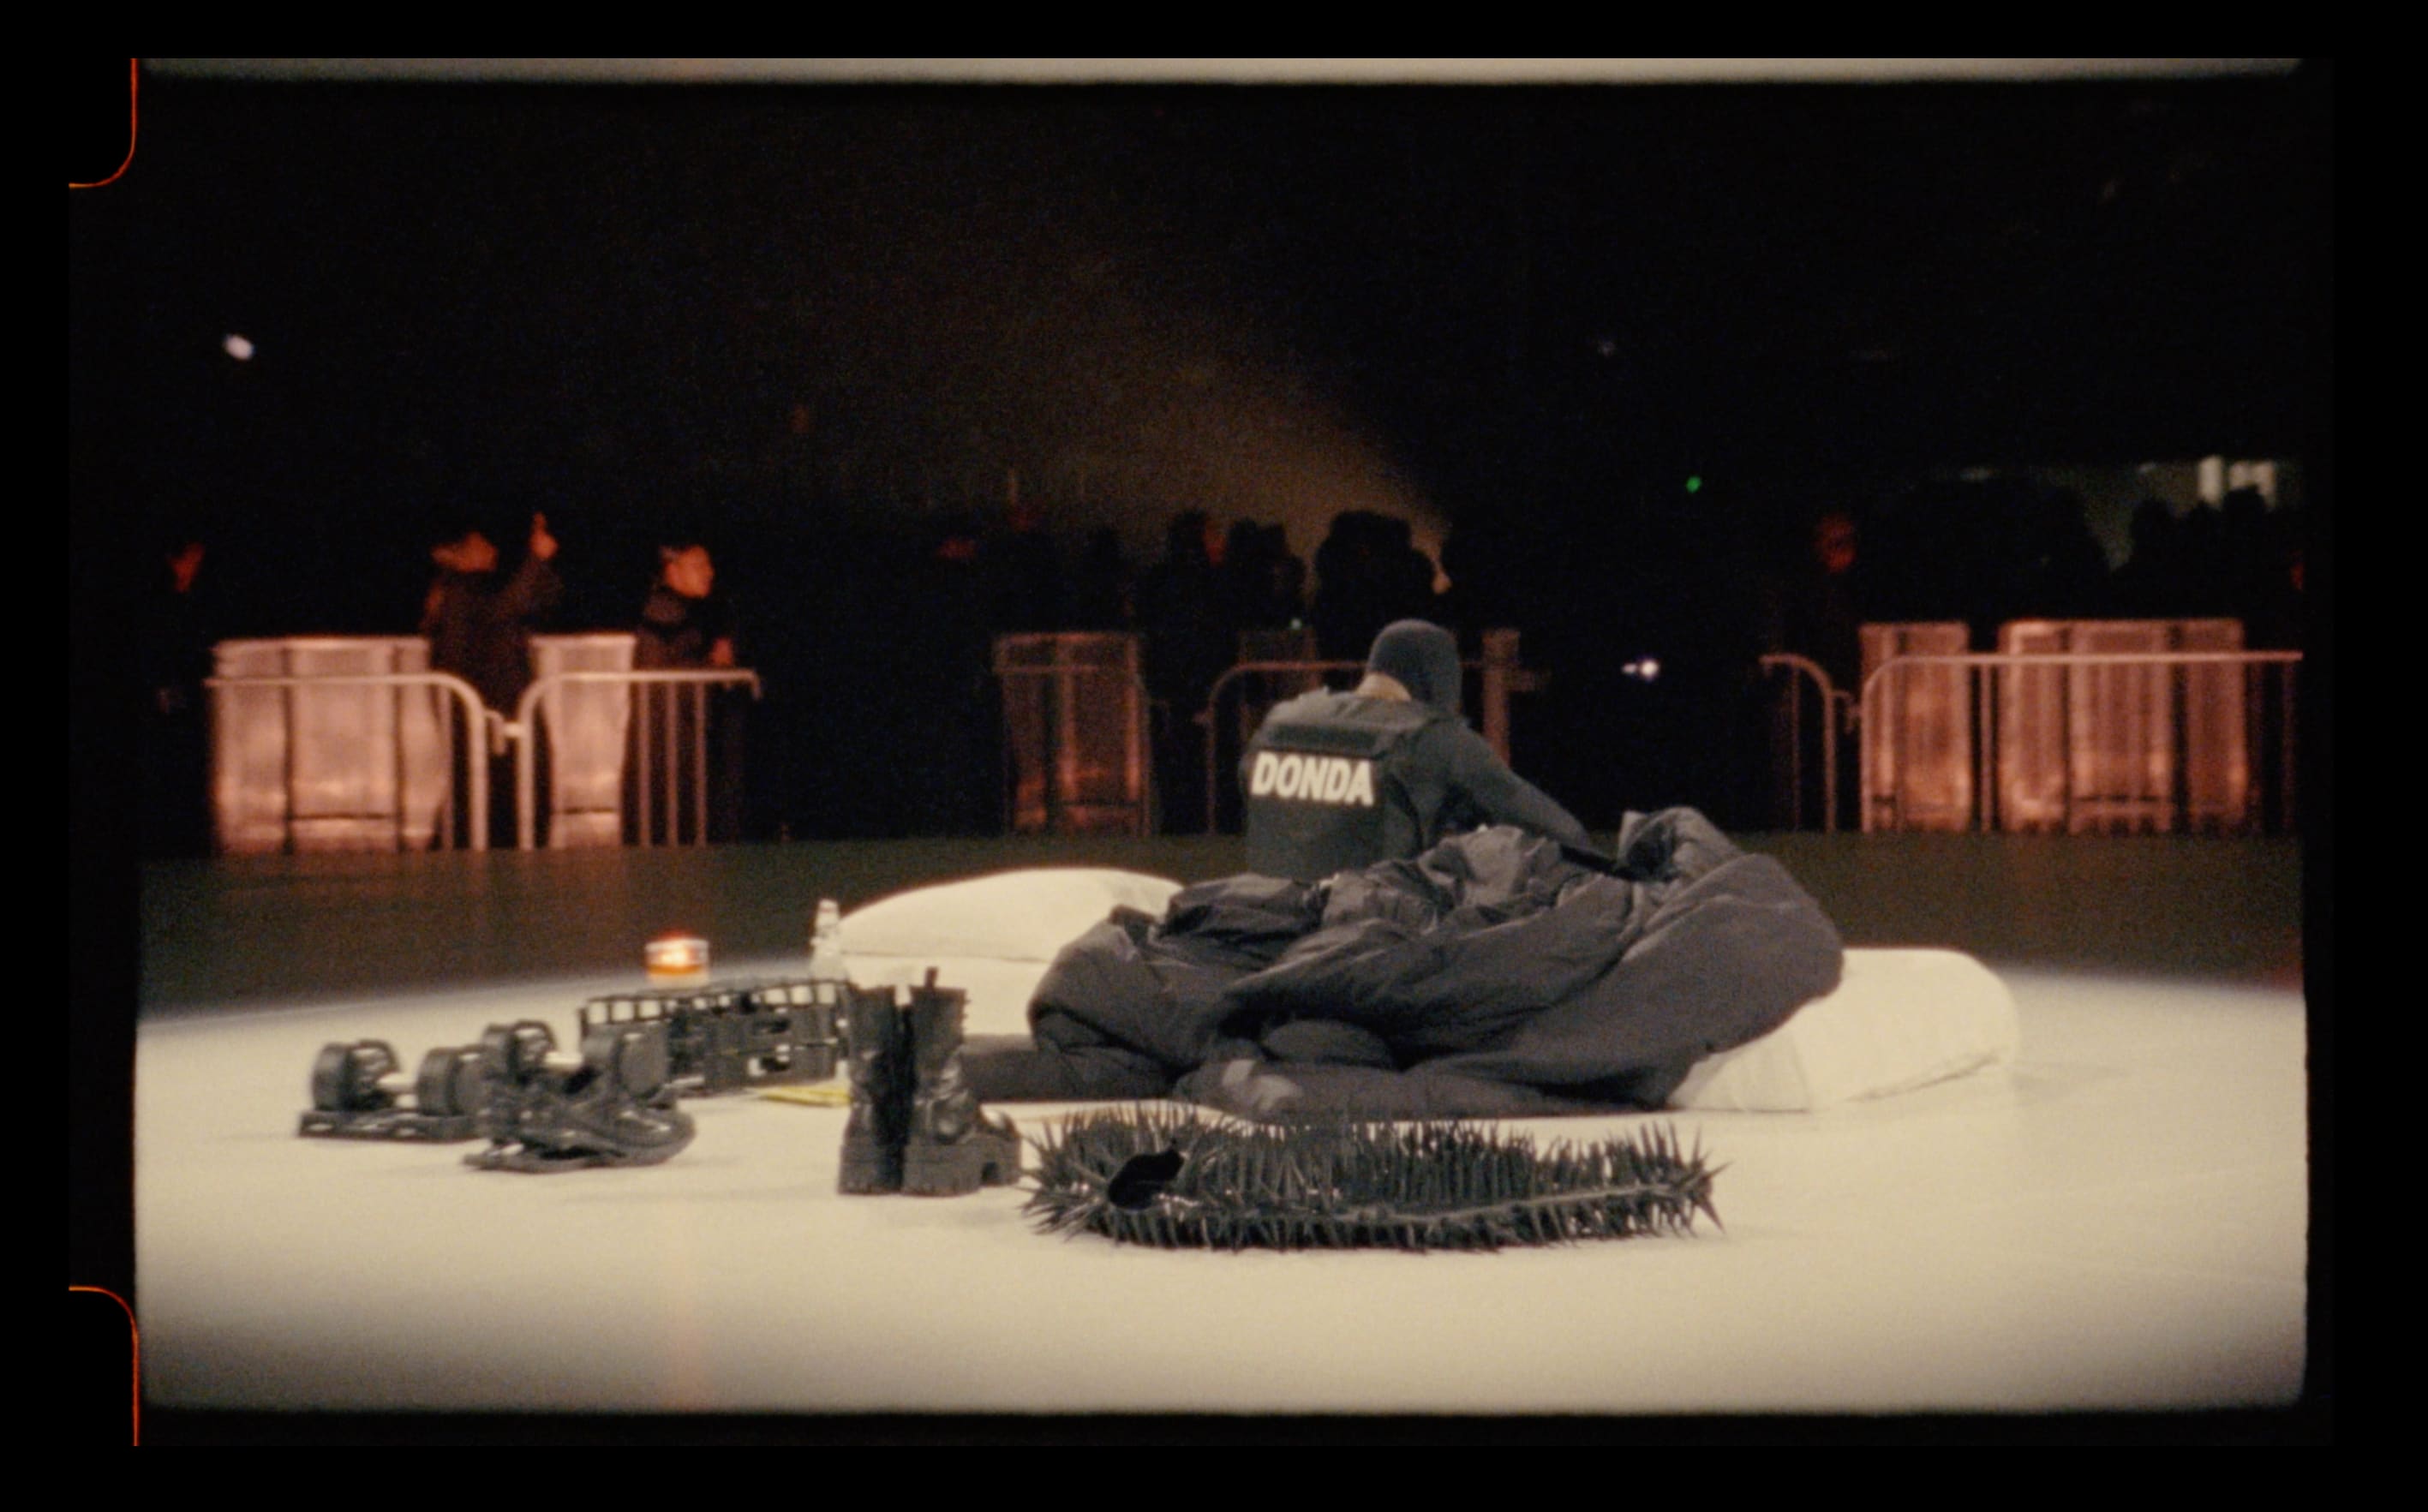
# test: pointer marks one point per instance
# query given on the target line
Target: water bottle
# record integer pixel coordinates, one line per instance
(828, 975)
(825, 945)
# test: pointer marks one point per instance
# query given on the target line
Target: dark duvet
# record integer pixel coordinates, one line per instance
(1500, 975)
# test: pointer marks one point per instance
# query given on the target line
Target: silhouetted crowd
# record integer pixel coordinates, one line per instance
(881, 713)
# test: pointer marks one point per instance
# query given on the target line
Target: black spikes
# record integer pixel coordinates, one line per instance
(1162, 1177)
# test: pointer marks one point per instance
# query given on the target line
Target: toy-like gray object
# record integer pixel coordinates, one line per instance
(732, 1035)
(359, 1092)
(615, 1107)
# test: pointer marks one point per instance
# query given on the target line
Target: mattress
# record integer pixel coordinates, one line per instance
(1901, 1018)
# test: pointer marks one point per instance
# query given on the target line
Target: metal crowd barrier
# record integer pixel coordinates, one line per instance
(558, 693)
(2081, 741)
(585, 736)
(1916, 738)
(1295, 643)
(1837, 713)
(319, 761)
(1074, 725)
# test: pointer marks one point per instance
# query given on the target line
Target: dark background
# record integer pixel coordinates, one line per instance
(819, 326)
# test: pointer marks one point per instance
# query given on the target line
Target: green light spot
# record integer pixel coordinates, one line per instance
(1695, 483)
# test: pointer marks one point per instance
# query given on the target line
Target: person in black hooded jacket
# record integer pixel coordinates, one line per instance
(685, 626)
(1335, 781)
(479, 624)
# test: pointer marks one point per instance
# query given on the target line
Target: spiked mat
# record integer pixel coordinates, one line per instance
(1146, 1175)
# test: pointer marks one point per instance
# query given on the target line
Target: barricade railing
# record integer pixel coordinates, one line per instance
(458, 700)
(1075, 735)
(678, 717)
(1837, 708)
(2143, 741)
(1501, 675)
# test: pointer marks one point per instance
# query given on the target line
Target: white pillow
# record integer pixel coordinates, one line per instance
(1899, 1019)
(1014, 916)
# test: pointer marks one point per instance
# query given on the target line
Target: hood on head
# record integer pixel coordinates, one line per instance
(1424, 658)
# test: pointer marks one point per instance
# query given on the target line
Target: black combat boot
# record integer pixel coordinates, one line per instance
(954, 1147)
(876, 1039)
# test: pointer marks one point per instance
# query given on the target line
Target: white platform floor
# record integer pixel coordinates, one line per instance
(2116, 1223)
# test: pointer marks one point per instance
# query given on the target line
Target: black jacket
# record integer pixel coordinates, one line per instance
(1499, 974)
(479, 627)
(678, 633)
(1334, 780)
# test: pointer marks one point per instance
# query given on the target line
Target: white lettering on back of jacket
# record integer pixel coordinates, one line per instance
(1340, 780)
